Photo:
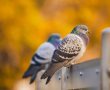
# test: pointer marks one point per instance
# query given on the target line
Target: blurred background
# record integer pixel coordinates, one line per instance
(25, 24)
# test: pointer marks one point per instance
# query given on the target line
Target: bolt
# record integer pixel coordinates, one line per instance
(81, 73)
(59, 77)
(97, 71)
(67, 77)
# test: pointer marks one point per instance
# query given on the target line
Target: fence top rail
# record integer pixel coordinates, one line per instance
(86, 64)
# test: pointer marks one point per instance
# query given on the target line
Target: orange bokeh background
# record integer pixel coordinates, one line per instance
(25, 24)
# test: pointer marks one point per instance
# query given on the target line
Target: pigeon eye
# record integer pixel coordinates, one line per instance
(85, 29)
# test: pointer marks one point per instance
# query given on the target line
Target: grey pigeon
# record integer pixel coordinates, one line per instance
(42, 56)
(71, 48)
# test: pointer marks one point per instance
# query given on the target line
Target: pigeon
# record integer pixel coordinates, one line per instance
(42, 57)
(71, 48)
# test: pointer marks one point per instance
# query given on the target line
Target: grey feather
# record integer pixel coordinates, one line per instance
(30, 71)
(52, 69)
(35, 74)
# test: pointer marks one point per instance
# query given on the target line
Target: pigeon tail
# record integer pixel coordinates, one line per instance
(29, 71)
(48, 79)
(35, 75)
(32, 72)
(52, 69)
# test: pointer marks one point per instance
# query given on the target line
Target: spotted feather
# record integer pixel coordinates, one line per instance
(68, 49)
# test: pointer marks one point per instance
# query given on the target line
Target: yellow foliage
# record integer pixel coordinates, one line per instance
(25, 24)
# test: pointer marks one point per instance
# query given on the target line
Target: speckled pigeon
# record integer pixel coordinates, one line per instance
(71, 48)
(42, 56)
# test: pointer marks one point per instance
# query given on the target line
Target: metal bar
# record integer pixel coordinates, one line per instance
(63, 82)
(86, 75)
(39, 83)
(83, 76)
(105, 58)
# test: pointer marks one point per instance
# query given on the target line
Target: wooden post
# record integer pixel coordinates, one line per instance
(105, 62)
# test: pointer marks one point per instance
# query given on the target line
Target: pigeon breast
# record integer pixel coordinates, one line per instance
(69, 48)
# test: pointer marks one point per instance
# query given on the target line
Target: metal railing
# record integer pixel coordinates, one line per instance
(89, 75)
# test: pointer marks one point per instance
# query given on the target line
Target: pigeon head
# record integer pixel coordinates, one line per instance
(80, 29)
(54, 39)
